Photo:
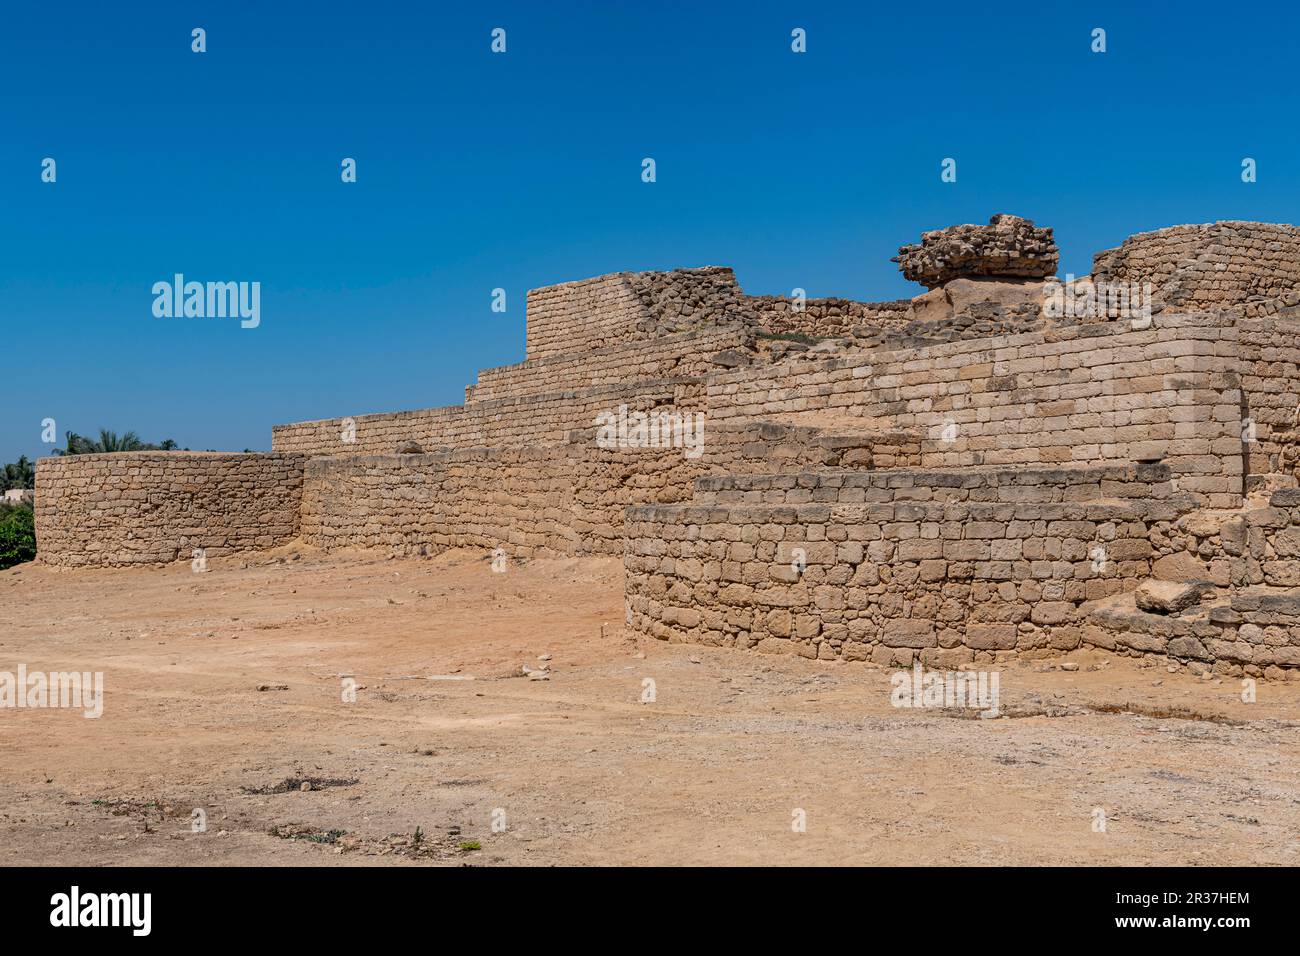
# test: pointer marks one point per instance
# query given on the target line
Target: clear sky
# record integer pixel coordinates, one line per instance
(477, 170)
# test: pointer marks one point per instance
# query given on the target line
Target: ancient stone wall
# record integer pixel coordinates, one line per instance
(525, 420)
(891, 335)
(157, 507)
(946, 581)
(1249, 619)
(1261, 628)
(576, 316)
(1090, 394)
(959, 478)
(823, 318)
(743, 446)
(1008, 246)
(1269, 548)
(690, 298)
(1198, 268)
(1267, 355)
(697, 300)
(613, 310)
(677, 356)
(567, 499)
(975, 485)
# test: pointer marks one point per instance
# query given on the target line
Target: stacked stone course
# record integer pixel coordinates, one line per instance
(520, 420)
(681, 356)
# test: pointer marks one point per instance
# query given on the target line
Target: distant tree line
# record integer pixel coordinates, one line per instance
(111, 441)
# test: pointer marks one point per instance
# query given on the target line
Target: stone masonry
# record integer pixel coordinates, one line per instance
(1007, 247)
(957, 479)
(157, 507)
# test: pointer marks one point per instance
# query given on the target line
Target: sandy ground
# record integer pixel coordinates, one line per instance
(577, 769)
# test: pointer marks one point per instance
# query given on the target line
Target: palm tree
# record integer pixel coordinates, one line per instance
(76, 445)
(111, 441)
(18, 474)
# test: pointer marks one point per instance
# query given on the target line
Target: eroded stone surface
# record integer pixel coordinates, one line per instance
(1167, 597)
(1007, 246)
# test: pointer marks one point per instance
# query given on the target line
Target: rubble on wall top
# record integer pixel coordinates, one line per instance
(1008, 247)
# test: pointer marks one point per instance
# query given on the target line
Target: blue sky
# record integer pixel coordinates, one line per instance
(478, 171)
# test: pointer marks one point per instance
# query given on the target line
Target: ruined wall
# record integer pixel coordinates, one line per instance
(690, 298)
(919, 333)
(156, 507)
(530, 420)
(1082, 395)
(634, 307)
(1009, 246)
(1208, 266)
(981, 485)
(628, 307)
(742, 446)
(948, 581)
(568, 499)
(1268, 358)
(1251, 627)
(1261, 629)
(675, 356)
(576, 316)
(827, 318)
(1268, 552)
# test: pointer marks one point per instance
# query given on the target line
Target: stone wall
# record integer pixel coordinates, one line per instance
(633, 309)
(1088, 394)
(1262, 627)
(525, 420)
(676, 356)
(157, 507)
(935, 483)
(919, 333)
(576, 316)
(1269, 548)
(950, 582)
(744, 446)
(827, 318)
(689, 298)
(976, 485)
(567, 499)
(1210, 266)
(1009, 246)
(624, 307)
(1250, 621)
(1268, 357)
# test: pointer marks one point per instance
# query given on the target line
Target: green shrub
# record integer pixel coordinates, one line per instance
(17, 535)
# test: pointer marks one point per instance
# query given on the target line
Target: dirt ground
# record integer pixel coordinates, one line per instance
(223, 692)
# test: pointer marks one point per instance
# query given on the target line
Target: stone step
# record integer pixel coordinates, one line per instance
(1255, 628)
(1116, 623)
